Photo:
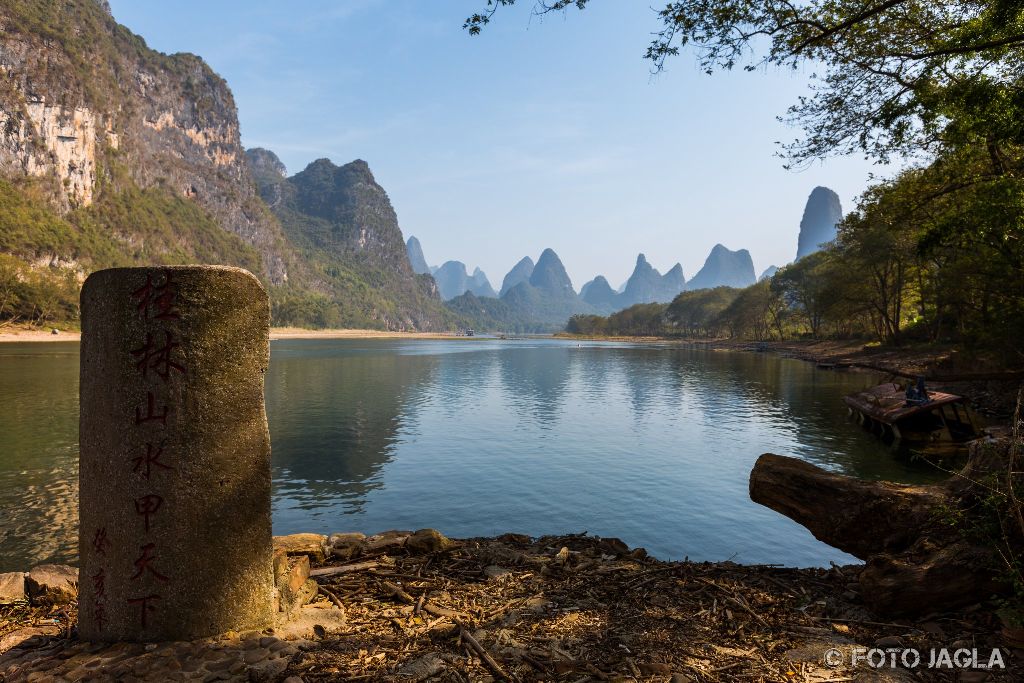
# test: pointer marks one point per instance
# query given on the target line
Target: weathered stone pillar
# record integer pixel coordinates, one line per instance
(174, 538)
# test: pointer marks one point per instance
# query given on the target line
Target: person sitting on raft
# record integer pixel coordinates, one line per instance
(917, 395)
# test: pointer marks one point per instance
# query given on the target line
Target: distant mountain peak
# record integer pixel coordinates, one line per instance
(725, 268)
(415, 253)
(549, 274)
(598, 293)
(520, 272)
(822, 213)
(263, 161)
(453, 281)
(647, 285)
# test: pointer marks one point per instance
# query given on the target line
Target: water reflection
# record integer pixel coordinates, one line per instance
(653, 444)
(38, 453)
(534, 381)
(334, 416)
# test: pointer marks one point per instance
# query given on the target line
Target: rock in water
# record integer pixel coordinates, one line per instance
(174, 537)
(818, 225)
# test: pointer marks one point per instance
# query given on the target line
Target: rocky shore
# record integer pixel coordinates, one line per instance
(403, 606)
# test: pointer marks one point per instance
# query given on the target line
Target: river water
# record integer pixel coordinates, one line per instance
(650, 443)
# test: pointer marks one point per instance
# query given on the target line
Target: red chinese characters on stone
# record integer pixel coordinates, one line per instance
(159, 357)
(145, 564)
(99, 607)
(151, 414)
(153, 356)
(100, 542)
(157, 300)
(144, 464)
(144, 606)
(147, 506)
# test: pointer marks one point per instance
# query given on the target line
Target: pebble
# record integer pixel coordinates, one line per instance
(889, 641)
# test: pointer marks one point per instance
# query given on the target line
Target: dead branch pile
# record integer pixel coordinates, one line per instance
(579, 608)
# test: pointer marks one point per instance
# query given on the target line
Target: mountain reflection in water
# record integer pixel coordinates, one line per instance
(650, 443)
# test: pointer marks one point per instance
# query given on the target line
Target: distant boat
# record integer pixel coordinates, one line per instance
(886, 410)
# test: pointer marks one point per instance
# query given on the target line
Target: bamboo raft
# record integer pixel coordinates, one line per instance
(885, 410)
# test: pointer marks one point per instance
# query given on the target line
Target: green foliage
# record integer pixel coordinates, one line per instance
(897, 76)
(699, 313)
(134, 227)
(28, 226)
(99, 50)
(156, 225)
(991, 512)
(496, 315)
(34, 295)
(354, 293)
(639, 320)
(588, 324)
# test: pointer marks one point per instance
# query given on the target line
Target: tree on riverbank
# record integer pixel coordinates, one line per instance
(935, 253)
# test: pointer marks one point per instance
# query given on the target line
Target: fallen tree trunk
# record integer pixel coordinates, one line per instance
(858, 517)
(916, 561)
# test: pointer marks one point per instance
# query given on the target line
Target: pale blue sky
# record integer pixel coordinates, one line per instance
(538, 133)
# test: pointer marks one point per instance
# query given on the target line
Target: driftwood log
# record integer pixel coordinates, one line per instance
(916, 561)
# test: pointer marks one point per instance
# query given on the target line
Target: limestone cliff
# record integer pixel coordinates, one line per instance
(87, 112)
(416, 259)
(352, 253)
(818, 224)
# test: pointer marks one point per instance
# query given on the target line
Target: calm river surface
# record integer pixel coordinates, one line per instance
(653, 444)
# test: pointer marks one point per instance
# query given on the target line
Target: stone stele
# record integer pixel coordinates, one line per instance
(174, 537)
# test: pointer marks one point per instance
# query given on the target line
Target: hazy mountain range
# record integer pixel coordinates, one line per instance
(542, 296)
(134, 157)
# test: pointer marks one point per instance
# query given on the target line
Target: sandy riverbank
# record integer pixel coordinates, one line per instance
(300, 333)
(22, 334)
(46, 335)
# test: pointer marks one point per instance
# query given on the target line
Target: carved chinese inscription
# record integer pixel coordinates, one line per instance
(175, 471)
